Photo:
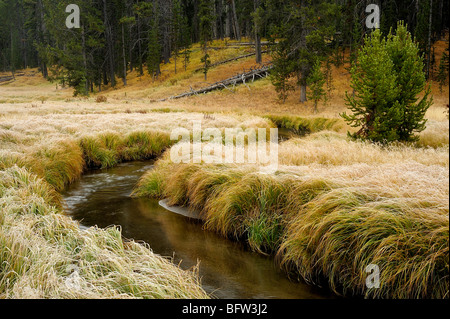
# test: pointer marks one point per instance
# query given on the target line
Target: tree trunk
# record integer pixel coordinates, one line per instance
(175, 56)
(110, 45)
(205, 49)
(41, 31)
(124, 56)
(227, 21)
(130, 48)
(141, 68)
(430, 26)
(257, 35)
(12, 54)
(83, 46)
(237, 30)
(220, 19)
(303, 98)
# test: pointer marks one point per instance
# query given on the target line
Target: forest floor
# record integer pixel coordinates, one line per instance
(346, 187)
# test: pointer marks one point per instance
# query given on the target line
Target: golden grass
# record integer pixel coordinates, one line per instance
(45, 254)
(43, 153)
(327, 222)
(335, 206)
(331, 148)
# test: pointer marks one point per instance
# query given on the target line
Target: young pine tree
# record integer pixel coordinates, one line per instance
(411, 80)
(282, 70)
(387, 78)
(316, 82)
(329, 81)
(443, 71)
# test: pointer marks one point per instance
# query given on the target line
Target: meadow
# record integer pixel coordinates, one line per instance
(334, 207)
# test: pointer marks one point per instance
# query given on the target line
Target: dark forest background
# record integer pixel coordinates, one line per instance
(119, 36)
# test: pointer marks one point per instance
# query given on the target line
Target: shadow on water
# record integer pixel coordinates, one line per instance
(227, 269)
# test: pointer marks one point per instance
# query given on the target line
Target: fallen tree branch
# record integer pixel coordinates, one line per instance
(230, 60)
(237, 79)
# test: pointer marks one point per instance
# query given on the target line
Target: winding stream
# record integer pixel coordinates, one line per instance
(228, 270)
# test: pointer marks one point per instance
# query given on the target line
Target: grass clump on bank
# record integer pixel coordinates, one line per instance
(302, 126)
(45, 254)
(62, 161)
(326, 224)
(106, 150)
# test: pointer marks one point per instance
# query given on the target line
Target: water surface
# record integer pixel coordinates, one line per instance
(227, 269)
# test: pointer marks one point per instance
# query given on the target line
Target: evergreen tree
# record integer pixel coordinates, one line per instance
(375, 91)
(387, 79)
(154, 45)
(185, 41)
(154, 52)
(176, 31)
(329, 81)
(316, 82)
(303, 28)
(206, 23)
(282, 70)
(411, 81)
(443, 70)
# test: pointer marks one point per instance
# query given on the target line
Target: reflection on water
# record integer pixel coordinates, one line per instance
(227, 269)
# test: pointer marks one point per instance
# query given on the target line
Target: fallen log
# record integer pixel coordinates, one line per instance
(6, 78)
(252, 75)
(246, 44)
(230, 60)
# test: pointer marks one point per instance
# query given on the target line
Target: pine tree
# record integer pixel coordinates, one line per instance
(387, 79)
(329, 81)
(206, 21)
(125, 21)
(305, 27)
(316, 81)
(185, 41)
(176, 31)
(443, 70)
(154, 45)
(154, 52)
(411, 81)
(282, 70)
(374, 84)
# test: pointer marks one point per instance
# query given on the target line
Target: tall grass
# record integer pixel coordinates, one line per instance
(326, 224)
(331, 148)
(44, 254)
(337, 235)
(306, 125)
(106, 150)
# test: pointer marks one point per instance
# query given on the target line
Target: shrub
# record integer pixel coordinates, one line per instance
(101, 99)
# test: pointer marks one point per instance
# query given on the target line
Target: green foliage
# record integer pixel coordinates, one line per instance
(282, 70)
(154, 45)
(443, 70)
(387, 79)
(303, 126)
(303, 31)
(206, 22)
(316, 82)
(154, 53)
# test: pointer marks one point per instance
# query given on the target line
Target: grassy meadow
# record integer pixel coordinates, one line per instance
(334, 207)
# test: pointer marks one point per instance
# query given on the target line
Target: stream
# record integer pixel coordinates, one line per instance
(228, 270)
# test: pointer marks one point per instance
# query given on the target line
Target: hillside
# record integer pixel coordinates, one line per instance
(142, 92)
